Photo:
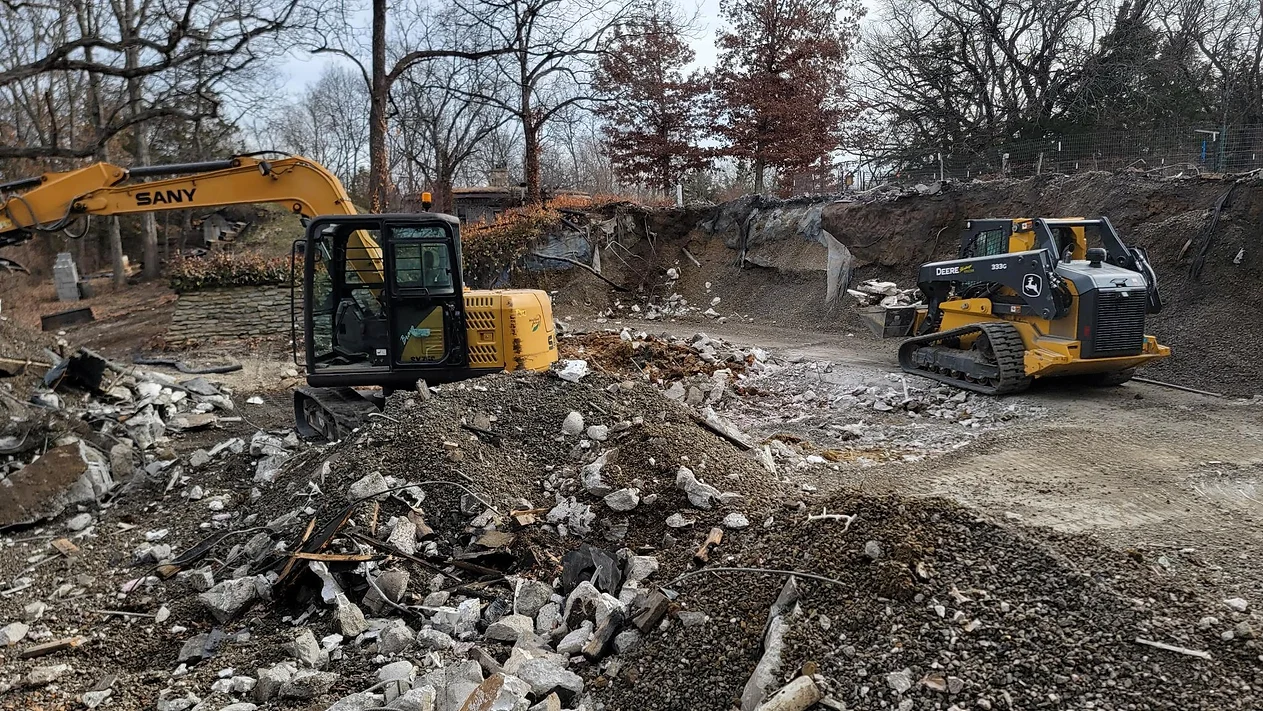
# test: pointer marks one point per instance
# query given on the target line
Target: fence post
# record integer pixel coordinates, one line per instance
(1039, 165)
(941, 176)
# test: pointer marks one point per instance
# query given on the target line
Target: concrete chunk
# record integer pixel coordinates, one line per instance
(371, 485)
(226, 599)
(351, 622)
(530, 596)
(509, 628)
(308, 685)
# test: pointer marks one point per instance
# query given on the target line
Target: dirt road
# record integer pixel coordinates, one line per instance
(1172, 476)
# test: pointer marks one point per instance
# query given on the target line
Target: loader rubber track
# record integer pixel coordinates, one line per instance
(996, 368)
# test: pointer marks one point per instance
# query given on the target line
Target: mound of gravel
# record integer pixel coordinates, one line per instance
(934, 608)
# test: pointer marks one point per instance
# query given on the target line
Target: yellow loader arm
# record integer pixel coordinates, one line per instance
(52, 201)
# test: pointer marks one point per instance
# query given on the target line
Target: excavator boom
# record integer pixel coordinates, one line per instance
(54, 200)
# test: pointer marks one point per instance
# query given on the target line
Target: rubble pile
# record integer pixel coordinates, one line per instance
(818, 413)
(88, 425)
(886, 294)
(671, 306)
(663, 359)
(527, 542)
(806, 414)
(921, 605)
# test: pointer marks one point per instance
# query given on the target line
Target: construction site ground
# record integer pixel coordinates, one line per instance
(1148, 469)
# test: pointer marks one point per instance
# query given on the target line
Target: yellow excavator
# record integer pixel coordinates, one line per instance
(1028, 299)
(383, 301)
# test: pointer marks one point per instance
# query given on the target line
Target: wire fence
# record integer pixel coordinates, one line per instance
(1237, 149)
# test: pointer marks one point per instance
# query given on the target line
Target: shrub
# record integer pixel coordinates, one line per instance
(227, 269)
(490, 249)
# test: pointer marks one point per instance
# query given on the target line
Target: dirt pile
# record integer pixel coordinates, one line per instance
(18, 341)
(930, 607)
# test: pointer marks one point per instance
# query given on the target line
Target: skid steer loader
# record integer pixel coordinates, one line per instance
(1028, 299)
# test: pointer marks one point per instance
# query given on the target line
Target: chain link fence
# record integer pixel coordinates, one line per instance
(1163, 152)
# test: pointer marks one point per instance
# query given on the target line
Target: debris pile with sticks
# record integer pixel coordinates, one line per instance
(662, 359)
(526, 542)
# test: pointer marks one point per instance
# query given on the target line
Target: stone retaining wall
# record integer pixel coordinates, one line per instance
(238, 312)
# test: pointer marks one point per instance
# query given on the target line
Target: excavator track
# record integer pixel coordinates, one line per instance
(995, 365)
(330, 413)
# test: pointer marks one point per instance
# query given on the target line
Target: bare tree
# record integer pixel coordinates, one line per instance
(328, 124)
(1221, 44)
(418, 43)
(500, 150)
(968, 76)
(554, 46)
(439, 128)
(145, 49)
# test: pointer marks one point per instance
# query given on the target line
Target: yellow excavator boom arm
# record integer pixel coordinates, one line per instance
(303, 186)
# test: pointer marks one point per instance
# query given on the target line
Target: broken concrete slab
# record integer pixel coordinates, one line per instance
(40, 676)
(308, 684)
(591, 474)
(392, 583)
(307, 650)
(351, 622)
(396, 639)
(510, 628)
(371, 485)
(499, 692)
(70, 474)
(13, 633)
(701, 495)
(549, 674)
(145, 428)
(531, 595)
(453, 684)
(269, 680)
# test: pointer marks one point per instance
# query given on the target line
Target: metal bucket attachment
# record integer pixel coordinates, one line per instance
(892, 322)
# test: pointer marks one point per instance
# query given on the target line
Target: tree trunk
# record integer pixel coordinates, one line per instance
(148, 225)
(135, 95)
(116, 253)
(379, 94)
(96, 112)
(759, 169)
(530, 139)
(443, 193)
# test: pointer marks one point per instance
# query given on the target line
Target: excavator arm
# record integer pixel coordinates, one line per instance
(50, 202)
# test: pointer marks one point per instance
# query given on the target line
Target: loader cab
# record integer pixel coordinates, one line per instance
(383, 300)
(1065, 239)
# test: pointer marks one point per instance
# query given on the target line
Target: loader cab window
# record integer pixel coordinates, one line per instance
(989, 243)
(1067, 245)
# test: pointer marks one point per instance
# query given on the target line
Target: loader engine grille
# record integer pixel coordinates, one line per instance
(1119, 328)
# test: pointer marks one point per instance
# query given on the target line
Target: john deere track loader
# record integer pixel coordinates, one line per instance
(1029, 299)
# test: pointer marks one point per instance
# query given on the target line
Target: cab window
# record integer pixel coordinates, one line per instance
(988, 243)
(421, 265)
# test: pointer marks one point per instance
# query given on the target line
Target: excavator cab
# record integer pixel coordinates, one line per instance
(383, 301)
